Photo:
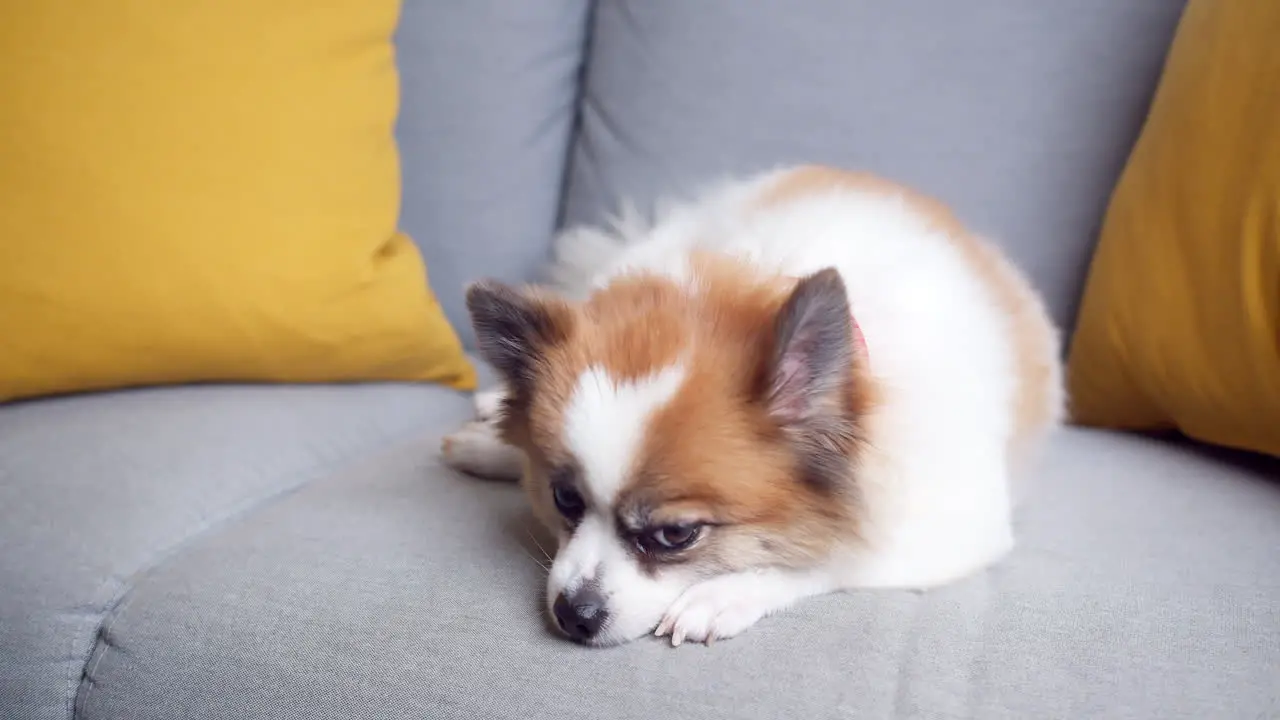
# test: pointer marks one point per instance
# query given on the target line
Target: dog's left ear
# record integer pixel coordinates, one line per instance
(809, 379)
(514, 328)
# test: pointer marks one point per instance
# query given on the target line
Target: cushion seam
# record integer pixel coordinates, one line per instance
(581, 76)
(117, 601)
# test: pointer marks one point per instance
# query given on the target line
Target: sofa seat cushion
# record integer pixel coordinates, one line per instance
(97, 490)
(1145, 585)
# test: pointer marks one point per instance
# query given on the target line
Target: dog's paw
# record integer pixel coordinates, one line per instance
(477, 449)
(720, 608)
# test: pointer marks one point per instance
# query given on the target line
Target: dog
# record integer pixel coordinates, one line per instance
(798, 382)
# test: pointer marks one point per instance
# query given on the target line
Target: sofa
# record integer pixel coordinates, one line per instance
(289, 551)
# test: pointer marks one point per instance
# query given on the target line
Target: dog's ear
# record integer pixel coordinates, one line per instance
(809, 377)
(514, 328)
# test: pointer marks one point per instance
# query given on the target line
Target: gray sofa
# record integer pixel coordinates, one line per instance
(299, 552)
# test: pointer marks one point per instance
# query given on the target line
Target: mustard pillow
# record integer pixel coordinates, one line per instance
(206, 191)
(1180, 322)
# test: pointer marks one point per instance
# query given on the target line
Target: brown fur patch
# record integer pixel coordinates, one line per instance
(1034, 337)
(634, 328)
(714, 453)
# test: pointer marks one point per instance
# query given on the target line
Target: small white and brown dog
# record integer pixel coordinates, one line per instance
(805, 381)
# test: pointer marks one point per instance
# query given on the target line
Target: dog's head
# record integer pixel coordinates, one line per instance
(675, 431)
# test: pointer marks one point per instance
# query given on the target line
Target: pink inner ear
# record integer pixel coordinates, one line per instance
(788, 402)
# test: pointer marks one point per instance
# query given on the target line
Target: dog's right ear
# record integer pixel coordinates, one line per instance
(514, 328)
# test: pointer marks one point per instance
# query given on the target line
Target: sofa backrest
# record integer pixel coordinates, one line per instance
(1018, 114)
(488, 96)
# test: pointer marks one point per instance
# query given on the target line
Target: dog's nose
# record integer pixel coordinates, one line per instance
(581, 614)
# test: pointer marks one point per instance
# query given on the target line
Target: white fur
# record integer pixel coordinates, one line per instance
(478, 449)
(606, 421)
(594, 553)
(488, 404)
(935, 485)
(726, 605)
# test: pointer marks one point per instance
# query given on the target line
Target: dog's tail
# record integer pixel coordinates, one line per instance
(582, 254)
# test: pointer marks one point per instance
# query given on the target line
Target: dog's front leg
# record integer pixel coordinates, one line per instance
(724, 606)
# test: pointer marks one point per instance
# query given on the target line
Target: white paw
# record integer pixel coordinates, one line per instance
(488, 404)
(719, 608)
(477, 449)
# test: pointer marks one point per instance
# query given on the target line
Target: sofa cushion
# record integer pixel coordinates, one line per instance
(488, 90)
(1144, 585)
(97, 490)
(1019, 115)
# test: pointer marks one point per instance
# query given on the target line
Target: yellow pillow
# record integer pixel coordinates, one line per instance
(206, 191)
(1180, 322)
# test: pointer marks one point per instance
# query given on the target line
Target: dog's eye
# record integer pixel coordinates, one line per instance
(568, 501)
(668, 538)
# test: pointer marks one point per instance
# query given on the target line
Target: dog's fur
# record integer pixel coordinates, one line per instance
(821, 377)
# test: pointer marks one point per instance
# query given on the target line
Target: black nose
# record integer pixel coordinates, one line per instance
(581, 614)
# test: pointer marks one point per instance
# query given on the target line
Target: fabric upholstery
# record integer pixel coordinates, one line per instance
(1180, 324)
(97, 490)
(196, 192)
(1019, 115)
(234, 552)
(1144, 586)
(489, 90)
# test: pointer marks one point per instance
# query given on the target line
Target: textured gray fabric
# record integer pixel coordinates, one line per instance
(487, 107)
(1018, 114)
(233, 552)
(1146, 585)
(94, 490)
